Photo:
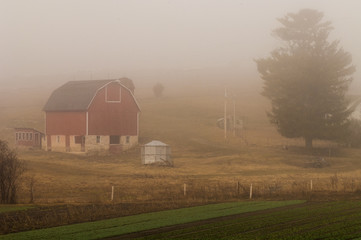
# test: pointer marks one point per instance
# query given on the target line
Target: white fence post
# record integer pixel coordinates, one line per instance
(250, 192)
(112, 196)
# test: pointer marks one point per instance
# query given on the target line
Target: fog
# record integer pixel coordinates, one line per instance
(50, 42)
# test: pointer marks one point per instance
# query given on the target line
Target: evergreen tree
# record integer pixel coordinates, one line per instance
(306, 79)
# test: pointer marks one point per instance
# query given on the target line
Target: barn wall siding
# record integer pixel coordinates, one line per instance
(66, 123)
(113, 118)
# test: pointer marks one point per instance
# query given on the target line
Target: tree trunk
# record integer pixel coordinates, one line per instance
(308, 142)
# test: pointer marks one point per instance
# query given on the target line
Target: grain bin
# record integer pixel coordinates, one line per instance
(156, 152)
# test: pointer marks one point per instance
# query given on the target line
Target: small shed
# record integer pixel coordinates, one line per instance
(28, 137)
(156, 152)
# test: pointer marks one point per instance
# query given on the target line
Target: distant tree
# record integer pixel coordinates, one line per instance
(11, 168)
(158, 90)
(306, 79)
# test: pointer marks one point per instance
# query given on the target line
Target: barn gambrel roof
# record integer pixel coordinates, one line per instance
(78, 95)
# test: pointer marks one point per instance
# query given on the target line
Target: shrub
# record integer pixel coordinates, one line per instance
(11, 168)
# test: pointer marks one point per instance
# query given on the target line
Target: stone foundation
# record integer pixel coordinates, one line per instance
(93, 144)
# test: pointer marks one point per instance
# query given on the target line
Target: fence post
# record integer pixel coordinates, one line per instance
(237, 188)
(32, 182)
(31, 193)
(185, 189)
(250, 192)
(112, 196)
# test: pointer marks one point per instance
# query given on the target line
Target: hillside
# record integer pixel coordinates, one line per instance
(185, 118)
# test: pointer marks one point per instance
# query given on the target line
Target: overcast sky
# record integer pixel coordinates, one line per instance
(101, 39)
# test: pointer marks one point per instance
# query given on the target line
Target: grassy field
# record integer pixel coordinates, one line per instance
(213, 169)
(210, 166)
(136, 223)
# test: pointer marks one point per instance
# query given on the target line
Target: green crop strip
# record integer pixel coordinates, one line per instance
(10, 208)
(333, 220)
(117, 226)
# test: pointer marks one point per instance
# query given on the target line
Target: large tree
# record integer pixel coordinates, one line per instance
(306, 79)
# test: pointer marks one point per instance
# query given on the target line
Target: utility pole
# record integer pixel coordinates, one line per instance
(234, 116)
(225, 113)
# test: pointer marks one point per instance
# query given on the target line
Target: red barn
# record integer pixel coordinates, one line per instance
(28, 137)
(95, 115)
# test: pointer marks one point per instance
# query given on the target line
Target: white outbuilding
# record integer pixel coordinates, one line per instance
(156, 152)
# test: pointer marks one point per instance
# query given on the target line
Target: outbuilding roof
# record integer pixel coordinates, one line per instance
(27, 129)
(77, 95)
(156, 143)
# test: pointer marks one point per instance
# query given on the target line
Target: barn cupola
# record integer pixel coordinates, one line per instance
(128, 83)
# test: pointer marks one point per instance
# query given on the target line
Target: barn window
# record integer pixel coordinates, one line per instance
(127, 139)
(114, 139)
(27, 136)
(113, 92)
(30, 136)
(98, 139)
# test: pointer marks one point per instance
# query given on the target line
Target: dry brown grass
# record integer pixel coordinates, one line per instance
(209, 165)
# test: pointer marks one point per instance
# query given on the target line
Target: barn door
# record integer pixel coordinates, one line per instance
(67, 143)
(48, 142)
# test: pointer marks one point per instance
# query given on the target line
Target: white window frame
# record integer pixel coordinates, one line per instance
(106, 95)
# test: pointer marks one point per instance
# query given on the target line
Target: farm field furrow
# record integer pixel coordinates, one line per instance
(135, 223)
(318, 222)
(268, 223)
(249, 225)
(333, 220)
